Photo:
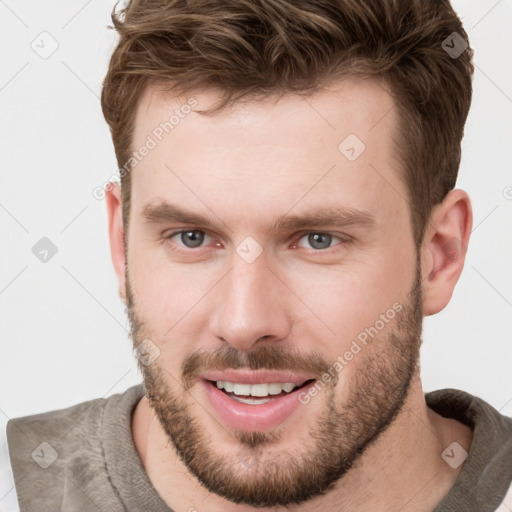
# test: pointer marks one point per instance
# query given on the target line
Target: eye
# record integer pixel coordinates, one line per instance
(320, 241)
(190, 238)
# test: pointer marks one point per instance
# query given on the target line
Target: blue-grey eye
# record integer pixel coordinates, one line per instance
(319, 240)
(192, 239)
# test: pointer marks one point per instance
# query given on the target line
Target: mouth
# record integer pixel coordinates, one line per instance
(254, 401)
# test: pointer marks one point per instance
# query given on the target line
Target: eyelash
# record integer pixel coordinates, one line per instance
(344, 240)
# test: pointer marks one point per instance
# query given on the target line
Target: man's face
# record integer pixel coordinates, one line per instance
(281, 349)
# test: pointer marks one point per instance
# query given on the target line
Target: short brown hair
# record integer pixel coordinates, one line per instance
(257, 48)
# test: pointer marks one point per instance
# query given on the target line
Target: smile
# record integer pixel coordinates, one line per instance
(253, 401)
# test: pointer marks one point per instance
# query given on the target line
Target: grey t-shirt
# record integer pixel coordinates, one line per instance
(82, 458)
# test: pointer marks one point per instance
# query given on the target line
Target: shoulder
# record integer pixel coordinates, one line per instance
(485, 479)
(59, 453)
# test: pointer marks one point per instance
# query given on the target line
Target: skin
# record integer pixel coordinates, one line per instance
(283, 154)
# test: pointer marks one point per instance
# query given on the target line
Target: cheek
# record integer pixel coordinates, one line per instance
(164, 293)
(343, 303)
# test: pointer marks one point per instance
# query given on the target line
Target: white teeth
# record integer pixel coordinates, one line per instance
(229, 387)
(275, 389)
(257, 390)
(242, 389)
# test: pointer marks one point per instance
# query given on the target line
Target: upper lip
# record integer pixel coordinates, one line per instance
(255, 376)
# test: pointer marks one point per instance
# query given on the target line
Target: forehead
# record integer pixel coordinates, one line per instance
(338, 142)
(352, 104)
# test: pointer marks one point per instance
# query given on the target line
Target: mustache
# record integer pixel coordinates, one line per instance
(267, 357)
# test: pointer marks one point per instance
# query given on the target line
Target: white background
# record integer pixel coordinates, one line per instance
(63, 328)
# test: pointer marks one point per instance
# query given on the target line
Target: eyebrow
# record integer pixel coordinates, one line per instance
(165, 212)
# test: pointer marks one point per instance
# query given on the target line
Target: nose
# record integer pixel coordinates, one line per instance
(252, 306)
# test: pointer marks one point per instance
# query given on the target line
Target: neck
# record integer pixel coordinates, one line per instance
(402, 469)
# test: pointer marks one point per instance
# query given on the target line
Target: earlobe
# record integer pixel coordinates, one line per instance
(116, 233)
(444, 250)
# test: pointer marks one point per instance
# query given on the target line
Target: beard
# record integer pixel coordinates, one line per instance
(257, 473)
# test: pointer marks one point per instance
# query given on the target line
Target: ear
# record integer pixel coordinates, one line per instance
(444, 249)
(116, 231)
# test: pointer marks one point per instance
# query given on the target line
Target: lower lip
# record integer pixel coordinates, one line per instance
(252, 418)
